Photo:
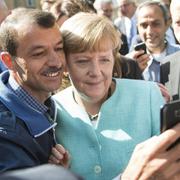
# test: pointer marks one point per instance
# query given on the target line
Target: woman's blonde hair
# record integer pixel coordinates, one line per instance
(91, 32)
(87, 31)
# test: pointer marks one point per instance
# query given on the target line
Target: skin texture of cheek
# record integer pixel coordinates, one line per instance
(91, 88)
(91, 73)
(177, 32)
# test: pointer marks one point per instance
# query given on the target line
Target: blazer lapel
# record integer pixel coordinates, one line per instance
(174, 79)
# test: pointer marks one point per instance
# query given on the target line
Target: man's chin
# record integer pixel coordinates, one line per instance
(151, 46)
(53, 89)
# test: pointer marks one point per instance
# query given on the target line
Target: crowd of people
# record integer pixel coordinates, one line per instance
(78, 100)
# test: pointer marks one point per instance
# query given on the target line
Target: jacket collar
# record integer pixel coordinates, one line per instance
(37, 123)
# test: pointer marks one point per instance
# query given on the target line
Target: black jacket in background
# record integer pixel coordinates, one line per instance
(130, 69)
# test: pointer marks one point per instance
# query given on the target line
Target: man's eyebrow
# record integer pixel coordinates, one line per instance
(145, 21)
(59, 42)
(157, 21)
(35, 47)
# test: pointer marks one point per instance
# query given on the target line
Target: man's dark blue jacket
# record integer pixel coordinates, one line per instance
(2, 67)
(26, 135)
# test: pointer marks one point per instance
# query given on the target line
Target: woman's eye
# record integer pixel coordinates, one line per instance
(37, 54)
(59, 49)
(82, 61)
(104, 60)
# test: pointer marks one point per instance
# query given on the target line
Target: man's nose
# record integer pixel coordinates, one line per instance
(56, 59)
(149, 29)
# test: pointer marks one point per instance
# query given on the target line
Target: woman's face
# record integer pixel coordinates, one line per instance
(91, 73)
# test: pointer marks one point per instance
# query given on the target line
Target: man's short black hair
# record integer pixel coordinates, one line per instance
(11, 26)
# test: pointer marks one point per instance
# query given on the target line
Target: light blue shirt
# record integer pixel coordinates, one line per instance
(152, 71)
(130, 116)
(127, 26)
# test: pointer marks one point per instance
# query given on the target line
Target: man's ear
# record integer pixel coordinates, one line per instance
(6, 59)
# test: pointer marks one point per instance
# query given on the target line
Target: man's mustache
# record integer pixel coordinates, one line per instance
(53, 70)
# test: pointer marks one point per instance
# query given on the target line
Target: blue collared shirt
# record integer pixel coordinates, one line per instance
(26, 97)
(39, 118)
(152, 71)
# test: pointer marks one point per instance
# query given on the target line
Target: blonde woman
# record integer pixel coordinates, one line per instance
(101, 119)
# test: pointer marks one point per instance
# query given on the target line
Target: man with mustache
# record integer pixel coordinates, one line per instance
(36, 61)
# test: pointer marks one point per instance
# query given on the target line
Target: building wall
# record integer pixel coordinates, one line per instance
(36, 3)
(22, 3)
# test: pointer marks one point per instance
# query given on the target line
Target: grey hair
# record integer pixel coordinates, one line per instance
(155, 3)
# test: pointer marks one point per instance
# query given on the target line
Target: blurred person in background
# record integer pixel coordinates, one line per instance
(169, 36)
(46, 4)
(127, 22)
(106, 9)
(152, 23)
(3, 10)
(64, 9)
